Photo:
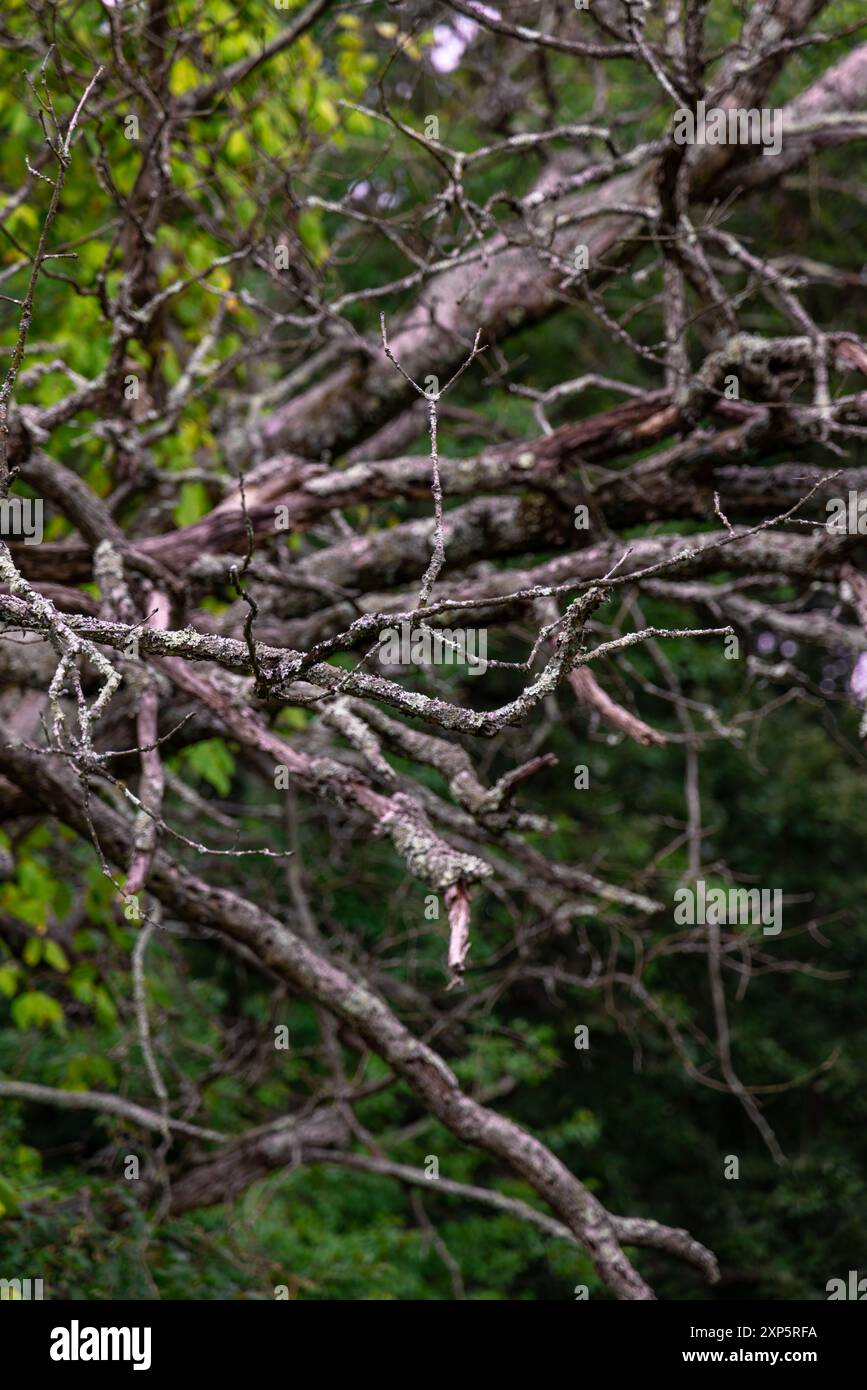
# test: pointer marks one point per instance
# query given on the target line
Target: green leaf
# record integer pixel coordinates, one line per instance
(293, 718)
(213, 761)
(311, 233)
(103, 1004)
(33, 948)
(9, 979)
(194, 503)
(55, 955)
(35, 1009)
(8, 1199)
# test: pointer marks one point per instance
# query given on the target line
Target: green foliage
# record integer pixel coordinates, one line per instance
(784, 806)
(214, 762)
